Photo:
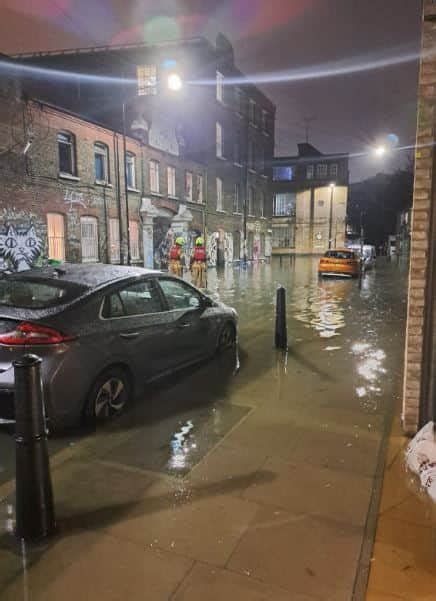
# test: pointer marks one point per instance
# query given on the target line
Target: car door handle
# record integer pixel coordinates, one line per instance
(184, 324)
(130, 335)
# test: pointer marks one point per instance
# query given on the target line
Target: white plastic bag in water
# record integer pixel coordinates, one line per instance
(421, 458)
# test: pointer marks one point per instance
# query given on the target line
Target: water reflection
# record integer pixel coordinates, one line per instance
(370, 369)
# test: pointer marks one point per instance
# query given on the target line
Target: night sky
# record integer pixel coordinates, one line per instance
(347, 113)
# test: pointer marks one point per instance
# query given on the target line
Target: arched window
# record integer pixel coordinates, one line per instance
(131, 170)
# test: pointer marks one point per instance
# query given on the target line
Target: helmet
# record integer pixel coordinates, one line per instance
(199, 241)
(180, 241)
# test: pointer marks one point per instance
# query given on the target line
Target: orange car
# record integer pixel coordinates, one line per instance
(339, 261)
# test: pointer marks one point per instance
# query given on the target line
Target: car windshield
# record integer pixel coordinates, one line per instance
(340, 254)
(33, 294)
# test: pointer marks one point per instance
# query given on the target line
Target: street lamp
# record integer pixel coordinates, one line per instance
(332, 190)
(174, 82)
(380, 151)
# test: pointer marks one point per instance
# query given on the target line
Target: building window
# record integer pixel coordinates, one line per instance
(237, 149)
(134, 240)
(283, 237)
(252, 111)
(283, 174)
(171, 177)
(251, 154)
(219, 140)
(200, 189)
(262, 204)
(154, 176)
(239, 101)
(284, 204)
(188, 186)
(310, 172)
(131, 170)
(264, 120)
(67, 153)
(219, 86)
(147, 80)
(89, 239)
(219, 194)
(261, 160)
(321, 170)
(101, 162)
(114, 240)
(334, 170)
(251, 199)
(237, 199)
(56, 236)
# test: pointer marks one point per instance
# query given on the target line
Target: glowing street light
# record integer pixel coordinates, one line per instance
(174, 82)
(380, 151)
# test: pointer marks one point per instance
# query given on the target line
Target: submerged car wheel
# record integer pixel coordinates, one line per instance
(109, 395)
(227, 338)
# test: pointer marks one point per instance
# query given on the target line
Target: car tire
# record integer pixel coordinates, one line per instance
(227, 338)
(109, 396)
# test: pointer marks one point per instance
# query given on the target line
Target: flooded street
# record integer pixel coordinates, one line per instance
(250, 474)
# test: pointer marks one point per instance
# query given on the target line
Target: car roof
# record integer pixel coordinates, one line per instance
(88, 275)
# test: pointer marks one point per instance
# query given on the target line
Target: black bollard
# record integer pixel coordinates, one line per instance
(281, 338)
(35, 518)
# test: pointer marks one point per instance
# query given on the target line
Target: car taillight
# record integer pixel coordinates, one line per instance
(29, 334)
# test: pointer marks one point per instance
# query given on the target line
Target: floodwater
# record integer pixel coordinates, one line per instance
(254, 438)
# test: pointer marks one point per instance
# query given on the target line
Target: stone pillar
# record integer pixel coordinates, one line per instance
(418, 389)
(148, 212)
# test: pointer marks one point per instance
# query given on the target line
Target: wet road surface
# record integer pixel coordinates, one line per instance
(256, 437)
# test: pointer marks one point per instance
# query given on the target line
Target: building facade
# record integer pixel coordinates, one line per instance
(419, 392)
(310, 193)
(216, 118)
(65, 193)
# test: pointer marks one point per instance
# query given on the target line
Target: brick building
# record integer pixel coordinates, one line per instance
(419, 401)
(217, 118)
(65, 193)
(310, 193)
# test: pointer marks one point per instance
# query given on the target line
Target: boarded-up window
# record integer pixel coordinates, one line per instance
(89, 237)
(114, 235)
(134, 240)
(56, 236)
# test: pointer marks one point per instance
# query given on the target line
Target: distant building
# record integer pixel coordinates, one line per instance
(227, 127)
(310, 193)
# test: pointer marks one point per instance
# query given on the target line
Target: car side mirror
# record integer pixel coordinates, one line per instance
(207, 302)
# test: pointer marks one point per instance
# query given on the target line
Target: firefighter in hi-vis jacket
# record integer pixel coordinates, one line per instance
(176, 257)
(199, 264)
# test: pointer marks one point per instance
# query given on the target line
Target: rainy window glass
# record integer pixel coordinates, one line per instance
(147, 80)
(284, 204)
(179, 296)
(27, 294)
(339, 254)
(140, 299)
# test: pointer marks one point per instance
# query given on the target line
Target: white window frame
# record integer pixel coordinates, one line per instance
(200, 189)
(131, 161)
(334, 170)
(135, 254)
(264, 120)
(310, 172)
(322, 170)
(171, 181)
(102, 149)
(219, 195)
(189, 182)
(89, 244)
(154, 175)
(284, 204)
(219, 86)
(68, 140)
(56, 236)
(146, 76)
(219, 140)
(114, 240)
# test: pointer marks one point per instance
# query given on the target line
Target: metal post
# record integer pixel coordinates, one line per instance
(281, 334)
(331, 216)
(35, 517)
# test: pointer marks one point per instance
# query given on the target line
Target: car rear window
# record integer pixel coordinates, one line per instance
(339, 254)
(30, 294)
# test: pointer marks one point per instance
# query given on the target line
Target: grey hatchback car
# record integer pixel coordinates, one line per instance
(103, 332)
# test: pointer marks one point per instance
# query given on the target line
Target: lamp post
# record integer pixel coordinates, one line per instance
(332, 191)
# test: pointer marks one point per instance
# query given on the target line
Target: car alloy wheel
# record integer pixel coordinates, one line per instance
(227, 338)
(110, 399)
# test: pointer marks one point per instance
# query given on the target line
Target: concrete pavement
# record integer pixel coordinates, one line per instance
(260, 485)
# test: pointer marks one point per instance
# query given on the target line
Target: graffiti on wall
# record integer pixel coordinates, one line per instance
(19, 247)
(74, 198)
